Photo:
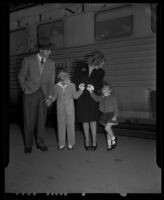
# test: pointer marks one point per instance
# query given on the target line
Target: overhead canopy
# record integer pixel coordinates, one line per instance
(20, 6)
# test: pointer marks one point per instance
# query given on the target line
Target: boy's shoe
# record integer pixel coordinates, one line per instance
(70, 147)
(61, 147)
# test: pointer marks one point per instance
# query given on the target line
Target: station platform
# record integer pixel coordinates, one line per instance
(130, 168)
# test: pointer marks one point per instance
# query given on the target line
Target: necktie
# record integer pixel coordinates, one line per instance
(42, 65)
(42, 61)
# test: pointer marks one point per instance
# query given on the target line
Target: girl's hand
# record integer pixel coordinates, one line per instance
(90, 88)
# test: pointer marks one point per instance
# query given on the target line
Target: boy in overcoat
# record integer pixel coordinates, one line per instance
(65, 91)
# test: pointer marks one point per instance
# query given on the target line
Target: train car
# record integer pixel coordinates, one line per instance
(124, 32)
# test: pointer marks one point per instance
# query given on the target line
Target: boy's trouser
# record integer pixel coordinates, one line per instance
(35, 112)
(66, 123)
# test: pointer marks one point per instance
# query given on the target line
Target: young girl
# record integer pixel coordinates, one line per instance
(109, 112)
(64, 91)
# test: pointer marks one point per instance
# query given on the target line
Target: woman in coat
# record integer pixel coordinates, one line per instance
(90, 75)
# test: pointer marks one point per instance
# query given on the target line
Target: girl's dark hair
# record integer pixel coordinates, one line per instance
(105, 83)
(95, 58)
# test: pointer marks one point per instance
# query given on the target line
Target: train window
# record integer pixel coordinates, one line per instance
(113, 23)
(153, 18)
(54, 31)
(18, 41)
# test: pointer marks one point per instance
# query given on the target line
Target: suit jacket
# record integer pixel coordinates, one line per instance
(31, 79)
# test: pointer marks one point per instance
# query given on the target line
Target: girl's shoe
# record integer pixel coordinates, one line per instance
(114, 142)
(93, 148)
(109, 147)
(87, 148)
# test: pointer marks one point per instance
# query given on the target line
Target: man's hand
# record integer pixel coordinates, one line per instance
(49, 101)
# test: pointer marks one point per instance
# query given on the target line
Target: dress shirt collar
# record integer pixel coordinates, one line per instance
(61, 85)
(40, 58)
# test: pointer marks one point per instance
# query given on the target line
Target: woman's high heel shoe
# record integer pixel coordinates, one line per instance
(93, 148)
(87, 148)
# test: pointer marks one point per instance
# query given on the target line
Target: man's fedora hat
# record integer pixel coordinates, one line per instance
(44, 43)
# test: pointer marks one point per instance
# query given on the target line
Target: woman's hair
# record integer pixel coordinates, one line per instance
(95, 58)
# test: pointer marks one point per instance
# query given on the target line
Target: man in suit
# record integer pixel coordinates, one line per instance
(36, 78)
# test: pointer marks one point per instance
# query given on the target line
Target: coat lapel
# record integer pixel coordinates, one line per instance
(46, 67)
(91, 74)
(36, 64)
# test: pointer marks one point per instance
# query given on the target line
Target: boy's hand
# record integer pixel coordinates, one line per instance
(114, 118)
(82, 86)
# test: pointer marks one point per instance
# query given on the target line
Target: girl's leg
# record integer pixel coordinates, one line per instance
(86, 132)
(109, 139)
(108, 128)
(93, 132)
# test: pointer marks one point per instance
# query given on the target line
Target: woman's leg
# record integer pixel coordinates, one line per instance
(86, 132)
(93, 132)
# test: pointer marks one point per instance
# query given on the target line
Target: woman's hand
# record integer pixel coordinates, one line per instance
(82, 86)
